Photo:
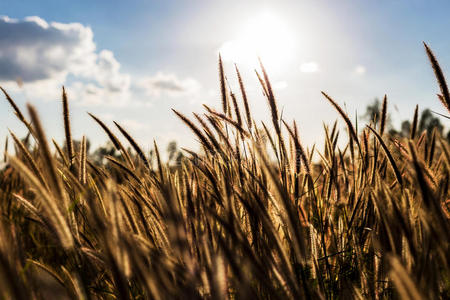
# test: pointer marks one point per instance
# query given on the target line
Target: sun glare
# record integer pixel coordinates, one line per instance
(265, 36)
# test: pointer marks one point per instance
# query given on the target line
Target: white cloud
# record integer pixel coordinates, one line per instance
(108, 74)
(133, 124)
(168, 84)
(309, 67)
(93, 94)
(105, 116)
(127, 124)
(41, 55)
(44, 89)
(360, 70)
(32, 49)
(280, 85)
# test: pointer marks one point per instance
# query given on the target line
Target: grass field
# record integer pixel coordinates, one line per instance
(249, 216)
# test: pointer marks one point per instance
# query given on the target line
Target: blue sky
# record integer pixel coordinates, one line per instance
(132, 61)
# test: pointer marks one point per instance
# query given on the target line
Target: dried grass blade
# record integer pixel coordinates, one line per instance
(29, 159)
(244, 98)
(397, 173)
(69, 143)
(114, 140)
(46, 154)
(414, 123)
(223, 88)
(351, 129)
(232, 122)
(122, 167)
(134, 145)
(383, 115)
(197, 131)
(440, 77)
(15, 107)
(271, 98)
(82, 171)
(300, 152)
(5, 150)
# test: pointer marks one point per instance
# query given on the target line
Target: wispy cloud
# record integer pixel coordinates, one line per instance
(128, 124)
(360, 70)
(309, 67)
(41, 56)
(133, 125)
(280, 85)
(168, 84)
(32, 49)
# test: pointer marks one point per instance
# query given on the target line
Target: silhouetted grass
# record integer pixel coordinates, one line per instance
(239, 219)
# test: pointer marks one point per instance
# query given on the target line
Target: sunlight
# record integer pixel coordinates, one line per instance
(265, 36)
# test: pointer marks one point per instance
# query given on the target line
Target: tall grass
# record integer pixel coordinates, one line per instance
(248, 216)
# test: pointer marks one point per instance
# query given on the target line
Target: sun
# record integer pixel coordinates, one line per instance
(266, 36)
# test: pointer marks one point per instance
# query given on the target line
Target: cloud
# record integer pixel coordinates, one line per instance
(108, 73)
(41, 55)
(91, 94)
(168, 84)
(309, 67)
(32, 49)
(105, 116)
(133, 124)
(360, 70)
(44, 90)
(127, 124)
(280, 85)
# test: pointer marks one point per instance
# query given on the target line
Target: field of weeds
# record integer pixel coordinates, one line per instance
(249, 216)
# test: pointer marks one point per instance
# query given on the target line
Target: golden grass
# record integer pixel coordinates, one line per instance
(229, 222)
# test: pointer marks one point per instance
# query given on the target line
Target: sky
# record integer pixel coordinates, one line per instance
(132, 61)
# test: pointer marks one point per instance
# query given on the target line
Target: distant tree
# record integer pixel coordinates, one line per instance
(428, 121)
(105, 150)
(372, 114)
(175, 156)
(179, 159)
(373, 111)
(77, 145)
(172, 149)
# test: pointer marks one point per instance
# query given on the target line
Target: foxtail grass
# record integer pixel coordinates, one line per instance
(251, 214)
